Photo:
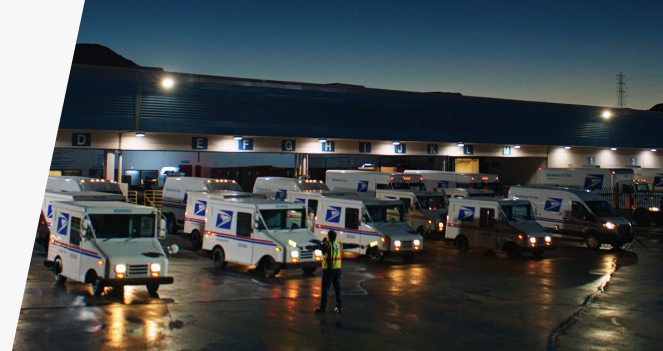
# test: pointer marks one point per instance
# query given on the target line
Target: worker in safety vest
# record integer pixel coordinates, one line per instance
(331, 270)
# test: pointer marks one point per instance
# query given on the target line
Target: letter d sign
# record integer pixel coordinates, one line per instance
(81, 139)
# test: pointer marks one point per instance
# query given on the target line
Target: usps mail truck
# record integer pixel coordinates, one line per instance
(196, 206)
(494, 224)
(427, 210)
(108, 244)
(62, 184)
(277, 188)
(435, 180)
(46, 216)
(577, 215)
(367, 182)
(268, 234)
(378, 227)
(175, 193)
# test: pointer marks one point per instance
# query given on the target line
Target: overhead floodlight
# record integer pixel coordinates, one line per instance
(653, 150)
(567, 147)
(140, 134)
(168, 83)
(460, 144)
(516, 146)
(613, 149)
(322, 140)
(396, 142)
(238, 137)
(606, 114)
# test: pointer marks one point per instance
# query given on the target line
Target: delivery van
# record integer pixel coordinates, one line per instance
(378, 227)
(62, 184)
(175, 192)
(276, 188)
(196, 206)
(46, 216)
(367, 182)
(494, 224)
(268, 234)
(443, 179)
(108, 244)
(576, 215)
(427, 210)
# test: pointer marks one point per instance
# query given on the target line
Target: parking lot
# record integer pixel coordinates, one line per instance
(572, 298)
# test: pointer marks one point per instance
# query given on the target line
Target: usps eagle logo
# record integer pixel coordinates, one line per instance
(594, 181)
(199, 208)
(553, 205)
(63, 223)
(466, 214)
(49, 211)
(658, 181)
(300, 201)
(362, 186)
(224, 219)
(333, 214)
(443, 184)
(281, 195)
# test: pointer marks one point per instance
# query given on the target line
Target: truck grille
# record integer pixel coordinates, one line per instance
(139, 269)
(306, 255)
(624, 229)
(406, 244)
(541, 241)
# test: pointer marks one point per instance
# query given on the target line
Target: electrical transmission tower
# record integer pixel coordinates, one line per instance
(621, 90)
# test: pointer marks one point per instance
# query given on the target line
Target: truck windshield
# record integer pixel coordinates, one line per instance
(518, 213)
(291, 218)
(103, 187)
(224, 186)
(111, 226)
(418, 186)
(431, 203)
(602, 208)
(387, 213)
(641, 187)
(313, 186)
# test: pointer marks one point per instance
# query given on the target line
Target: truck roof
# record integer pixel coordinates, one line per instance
(105, 207)
(86, 196)
(501, 201)
(200, 179)
(406, 191)
(258, 202)
(585, 195)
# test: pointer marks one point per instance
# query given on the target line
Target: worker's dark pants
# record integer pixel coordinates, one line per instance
(331, 276)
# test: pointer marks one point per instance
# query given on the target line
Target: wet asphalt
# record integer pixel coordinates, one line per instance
(571, 299)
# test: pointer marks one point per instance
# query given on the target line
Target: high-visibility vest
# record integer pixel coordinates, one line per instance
(331, 257)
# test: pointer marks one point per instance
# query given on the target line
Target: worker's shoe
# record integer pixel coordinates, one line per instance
(337, 310)
(320, 310)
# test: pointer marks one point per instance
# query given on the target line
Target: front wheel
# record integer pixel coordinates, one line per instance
(513, 250)
(218, 257)
(57, 270)
(269, 266)
(593, 242)
(462, 244)
(196, 239)
(171, 224)
(152, 288)
(98, 287)
(376, 254)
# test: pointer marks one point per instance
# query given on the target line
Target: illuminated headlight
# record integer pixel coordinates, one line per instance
(155, 267)
(416, 242)
(317, 253)
(120, 268)
(294, 254)
(654, 209)
(532, 240)
(397, 243)
(609, 225)
(548, 239)
(440, 226)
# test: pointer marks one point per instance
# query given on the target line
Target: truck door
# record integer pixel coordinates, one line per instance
(486, 235)
(72, 262)
(245, 247)
(352, 233)
(579, 221)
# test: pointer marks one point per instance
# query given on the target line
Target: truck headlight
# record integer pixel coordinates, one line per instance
(532, 240)
(318, 255)
(609, 225)
(397, 243)
(294, 254)
(654, 209)
(120, 268)
(440, 226)
(416, 242)
(155, 267)
(548, 239)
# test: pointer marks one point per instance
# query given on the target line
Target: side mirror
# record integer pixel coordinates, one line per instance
(174, 249)
(85, 224)
(256, 225)
(162, 234)
(162, 224)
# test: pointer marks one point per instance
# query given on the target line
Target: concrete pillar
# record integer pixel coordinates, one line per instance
(109, 166)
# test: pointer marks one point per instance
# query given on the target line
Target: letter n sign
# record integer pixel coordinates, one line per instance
(431, 149)
(245, 144)
(81, 139)
(288, 145)
(199, 143)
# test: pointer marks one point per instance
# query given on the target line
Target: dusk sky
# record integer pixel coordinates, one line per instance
(562, 51)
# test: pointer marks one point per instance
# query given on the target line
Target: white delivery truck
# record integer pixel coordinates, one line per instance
(175, 191)
(47, 207)
(427, 210)
(629, 195)
(368, 182)
(62, 184)
(378, 227)
(108, 243)
(268, 234)
(196, 205)
(443, 179)
(652, 176)
(496, 224)
(576, 215)
(276, 188)
(310, 200)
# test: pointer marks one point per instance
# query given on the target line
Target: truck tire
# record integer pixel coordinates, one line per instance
(512, 250)
(592, 241)
(171, 224)
(98, 287)
(461, 243)
(218, 257)
(375, 254)
(57, 270)
(269, 266)
(152, 288)
(196, 239)
(641, 218)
